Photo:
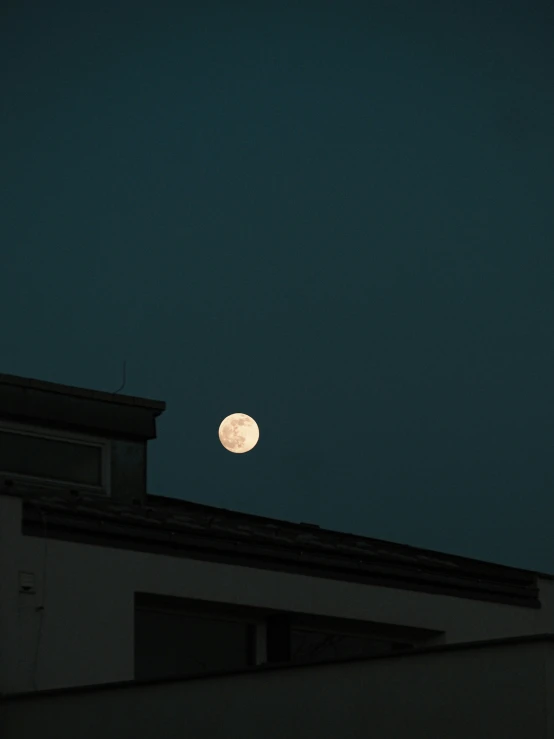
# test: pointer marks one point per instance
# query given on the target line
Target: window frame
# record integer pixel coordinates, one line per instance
(270, 646)
(69, 437)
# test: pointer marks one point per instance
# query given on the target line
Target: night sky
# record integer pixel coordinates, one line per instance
(335, 217)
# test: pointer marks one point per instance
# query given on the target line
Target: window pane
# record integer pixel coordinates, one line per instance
(52, 459)
(171, 644)
(314, 646)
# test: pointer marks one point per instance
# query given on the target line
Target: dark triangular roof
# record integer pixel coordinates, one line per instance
(185, 529)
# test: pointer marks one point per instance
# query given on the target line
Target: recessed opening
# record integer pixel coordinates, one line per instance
(68, 460)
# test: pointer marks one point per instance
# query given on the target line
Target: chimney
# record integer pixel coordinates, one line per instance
(65, 440)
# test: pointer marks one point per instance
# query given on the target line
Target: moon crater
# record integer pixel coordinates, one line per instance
(239, 433)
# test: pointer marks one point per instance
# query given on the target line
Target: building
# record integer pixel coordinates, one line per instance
(107, 590)
(500, 688)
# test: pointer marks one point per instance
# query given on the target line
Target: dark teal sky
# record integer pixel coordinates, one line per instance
(338, 220)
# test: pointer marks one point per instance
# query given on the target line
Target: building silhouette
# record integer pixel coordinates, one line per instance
(129, 614)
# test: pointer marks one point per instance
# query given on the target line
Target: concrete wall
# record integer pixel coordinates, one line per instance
(469, 693)
(52, 405)
(127, 470)
(125, 463)
(84, 633)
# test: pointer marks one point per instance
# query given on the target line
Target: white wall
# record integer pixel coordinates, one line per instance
(472, 693)
(85, 633)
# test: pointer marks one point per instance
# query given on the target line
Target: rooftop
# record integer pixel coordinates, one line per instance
(185, 529)
(28, 383)
(50, 404)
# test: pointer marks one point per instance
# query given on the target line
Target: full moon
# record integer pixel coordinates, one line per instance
(239, 433)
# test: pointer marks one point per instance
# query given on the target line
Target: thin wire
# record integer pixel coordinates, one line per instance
(41, 608)
(124, 377)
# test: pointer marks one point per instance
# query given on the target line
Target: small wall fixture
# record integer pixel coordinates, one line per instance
(27, 582)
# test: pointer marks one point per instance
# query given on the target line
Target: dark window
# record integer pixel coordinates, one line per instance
(51, 459)
(175, 644)
(315, 646)
(278, 638)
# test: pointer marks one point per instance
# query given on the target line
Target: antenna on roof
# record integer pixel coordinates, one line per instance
(124, 377)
